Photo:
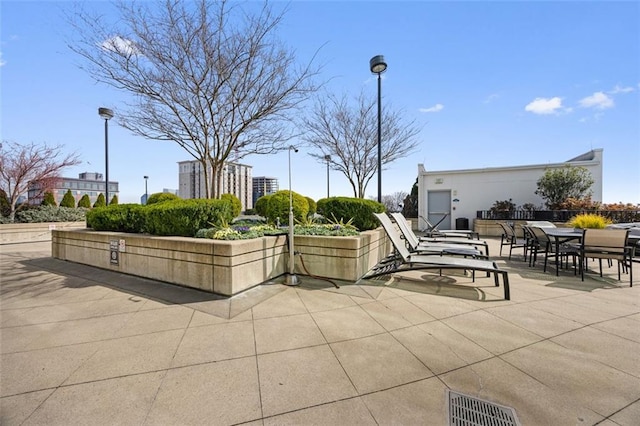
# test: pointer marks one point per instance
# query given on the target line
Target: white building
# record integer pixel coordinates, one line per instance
(92, 184)
(236, 180)
(461, 193)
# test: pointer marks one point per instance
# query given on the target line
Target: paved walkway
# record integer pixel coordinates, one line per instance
(86, 346)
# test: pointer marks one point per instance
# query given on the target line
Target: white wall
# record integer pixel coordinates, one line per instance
(479, 189)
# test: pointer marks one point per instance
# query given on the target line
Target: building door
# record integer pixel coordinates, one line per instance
(439, 208)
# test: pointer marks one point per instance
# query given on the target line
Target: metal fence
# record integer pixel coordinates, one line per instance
(617, 216)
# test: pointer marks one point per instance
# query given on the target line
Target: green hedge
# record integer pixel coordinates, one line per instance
(358, 210)
(179, 217)
(185, 217)
(278, 207)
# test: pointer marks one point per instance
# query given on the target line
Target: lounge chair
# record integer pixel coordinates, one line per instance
(434, 231)
(402, 260)
(452, 248)
(399, 218)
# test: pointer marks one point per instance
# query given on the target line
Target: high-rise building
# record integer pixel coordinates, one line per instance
(263, 185)
(91, 184)
(236, 180)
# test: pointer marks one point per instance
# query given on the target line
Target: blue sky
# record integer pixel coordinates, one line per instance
(493, 84)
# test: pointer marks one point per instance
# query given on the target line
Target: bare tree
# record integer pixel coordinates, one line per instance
(394, 202)
(208, 75)
(348, 133)
(31, 164)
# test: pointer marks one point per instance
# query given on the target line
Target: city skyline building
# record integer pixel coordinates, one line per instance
(90, 183)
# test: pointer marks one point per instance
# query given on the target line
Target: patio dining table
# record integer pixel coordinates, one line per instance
(560, 236)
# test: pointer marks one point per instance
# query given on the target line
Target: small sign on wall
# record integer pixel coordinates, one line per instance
(113, 252)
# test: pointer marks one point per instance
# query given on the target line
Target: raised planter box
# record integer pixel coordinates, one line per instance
(222, 267)
(19, 233)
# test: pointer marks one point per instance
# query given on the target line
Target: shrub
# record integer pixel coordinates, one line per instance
(261, 205)
(278, 206)
(49, 200)
(68, 200)
(100, 201)
(161, 197)
(114, 201)
(313, 207)
(117, 218)
(503, 209)
(589, 220)
(236, 204)
(41, 214)
(579, 204)
(357, 210)
(186, 217)
(85, 201)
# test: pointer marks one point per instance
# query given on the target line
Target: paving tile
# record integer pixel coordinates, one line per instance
(378, 362)
(537, 321)
(581, 314)
(42, 369)
(124, 400)
(129, 355)
(346, 323)
(215, 343)
(284, 333)
(318, 300)
(419, 403)
(285, 303)
(626, 356)
(568, 372)
(408, 310)
(628, 415)
(385, 316)
(201, 318)
(439, 306)
(219, 393)
(492, 333)
(348, 412)
(625, 327)
(439, 347)
(534, 402)
(149, 321)
(18, 339)
(612, 307)
(16, 409)
(301, 378)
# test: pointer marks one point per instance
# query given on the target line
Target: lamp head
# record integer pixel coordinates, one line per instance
(105, 113)
(377, 64)
(293, 148)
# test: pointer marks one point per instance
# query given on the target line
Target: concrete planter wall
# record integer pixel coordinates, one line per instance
(17, 233)
(222, 267)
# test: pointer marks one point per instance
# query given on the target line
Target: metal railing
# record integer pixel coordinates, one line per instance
(617, 216)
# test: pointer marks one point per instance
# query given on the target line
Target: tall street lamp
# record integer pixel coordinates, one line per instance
(378, 66)
(146, 193)
(291, 278)
(107, 114)
(328, 160)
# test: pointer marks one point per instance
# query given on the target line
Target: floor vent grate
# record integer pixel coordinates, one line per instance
(466, 410)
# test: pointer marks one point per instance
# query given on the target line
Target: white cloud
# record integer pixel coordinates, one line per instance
(545, 106)
(492, 97)
(620, 89)
(120, 45)
(435, 108)
(598, 100)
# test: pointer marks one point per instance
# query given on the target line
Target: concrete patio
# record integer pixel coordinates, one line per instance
(85, 346)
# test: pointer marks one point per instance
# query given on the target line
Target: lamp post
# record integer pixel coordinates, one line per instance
(291, 278)
(146, 193)
(328, 160)
(107, 114)
(378, 66)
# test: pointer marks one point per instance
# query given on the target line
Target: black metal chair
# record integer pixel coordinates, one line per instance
(509, 238)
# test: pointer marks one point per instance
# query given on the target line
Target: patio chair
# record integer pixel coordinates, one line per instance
(415, 246)
(403, 260)
(509, 238)
(542, 244)
(434, 231)
(610, 244)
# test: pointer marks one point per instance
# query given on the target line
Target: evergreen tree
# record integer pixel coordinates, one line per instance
(100, 201)
(49, 199)
(85, 201)
(114, 200)
(68, 200)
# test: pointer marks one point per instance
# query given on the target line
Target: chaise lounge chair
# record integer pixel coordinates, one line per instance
(409, 234)
(403, 260)
(433, 231)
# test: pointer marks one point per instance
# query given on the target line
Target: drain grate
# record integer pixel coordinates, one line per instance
(466, 410)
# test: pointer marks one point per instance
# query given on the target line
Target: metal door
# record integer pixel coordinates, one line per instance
(439, 208)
